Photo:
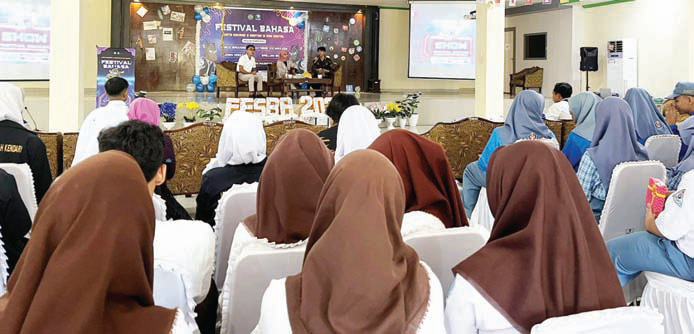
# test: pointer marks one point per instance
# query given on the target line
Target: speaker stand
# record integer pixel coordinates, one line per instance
(587, 86)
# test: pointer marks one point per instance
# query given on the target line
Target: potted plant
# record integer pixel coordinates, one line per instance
(167, 111)
(409, 108)
(211, 114)
(379, 114)
(391, 114)
(189, 120)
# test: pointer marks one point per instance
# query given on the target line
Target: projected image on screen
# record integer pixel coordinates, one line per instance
(25, 32)
(442, 41)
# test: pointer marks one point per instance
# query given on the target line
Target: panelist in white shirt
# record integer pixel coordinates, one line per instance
(248, 72)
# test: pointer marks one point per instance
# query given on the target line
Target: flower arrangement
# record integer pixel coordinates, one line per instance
(211, 114)
(189, 118)
(409, 105)
(392, 110)
(189, 105)
(377, 111)
(167, 111)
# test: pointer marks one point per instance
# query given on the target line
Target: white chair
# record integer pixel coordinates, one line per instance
(445, 249)
(553, 143)
(235, 205)
(169, 290)
(189, 245)
(674, 298)
(632, 320)
(25, 185)
(664, 148)
(4, 268)
(159, 208)
(625, 205)
(242, 294)
(482, 214)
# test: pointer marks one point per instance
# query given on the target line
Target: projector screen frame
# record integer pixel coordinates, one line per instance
(409, 41)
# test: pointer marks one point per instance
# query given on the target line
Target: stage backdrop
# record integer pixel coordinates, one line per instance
(165, 38)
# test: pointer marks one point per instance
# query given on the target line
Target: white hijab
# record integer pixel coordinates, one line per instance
(11, 103)
(242, 141)
(357, 129)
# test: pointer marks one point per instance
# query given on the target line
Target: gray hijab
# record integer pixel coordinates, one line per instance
(614, 139)
(687, 162)
(647, 119)
(583, 107)
(525, 119)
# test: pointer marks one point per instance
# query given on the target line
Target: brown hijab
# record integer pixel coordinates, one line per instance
(358, 274)
(88, 267)
(289, 188)
(426, 175)
(545, 257)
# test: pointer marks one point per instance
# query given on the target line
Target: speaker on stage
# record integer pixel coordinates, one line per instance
(589, 59)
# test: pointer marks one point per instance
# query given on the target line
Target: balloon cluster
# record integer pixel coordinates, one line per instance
(202, 13)
(203, 83)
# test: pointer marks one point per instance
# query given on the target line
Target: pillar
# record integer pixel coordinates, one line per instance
(489, 90)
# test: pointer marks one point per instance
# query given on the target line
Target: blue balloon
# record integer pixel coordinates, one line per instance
(301, 25)
(207, 10)
(200, 88)
(213, 79)
(210, 88)
(196, 79)
(298, 14)
(198, 17)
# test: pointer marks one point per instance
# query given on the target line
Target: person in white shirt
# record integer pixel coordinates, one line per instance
(248, 72)
(560, 110)
(115, 112)
(358, 275)
(667, 245)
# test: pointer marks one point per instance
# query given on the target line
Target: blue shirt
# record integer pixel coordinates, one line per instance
(493, 144)
(589, 178)
(574, 149)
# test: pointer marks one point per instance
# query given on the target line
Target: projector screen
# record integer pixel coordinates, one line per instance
(25, 33)
(442, 41)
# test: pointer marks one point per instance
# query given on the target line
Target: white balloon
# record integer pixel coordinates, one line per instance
(198, 8)
(204, 80)
(190, 88)
(206, 18)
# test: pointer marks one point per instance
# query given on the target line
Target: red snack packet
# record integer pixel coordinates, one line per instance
(656, 194)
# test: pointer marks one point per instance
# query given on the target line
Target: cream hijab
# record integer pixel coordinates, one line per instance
(11, 103)
(242, 142)
(357, 129)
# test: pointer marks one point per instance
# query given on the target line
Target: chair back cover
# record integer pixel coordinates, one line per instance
(169, 290)
(673, 298)
(664, 148)
(632, 320)
(25, 184)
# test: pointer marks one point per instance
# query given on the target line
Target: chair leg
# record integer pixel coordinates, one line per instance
(236, 94)
(218, 92)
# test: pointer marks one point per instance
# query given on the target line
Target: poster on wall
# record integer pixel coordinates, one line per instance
(230, 30)
(114, 62)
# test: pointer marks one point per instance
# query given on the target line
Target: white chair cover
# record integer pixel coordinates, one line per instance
(674, 298)
(25, 185)
(169, 291)
(235, 205)
(632, 320)
(189, 245)
(242, 294)
(482, 215)
(625, 204)
(159, 207)
(664, 148)
(4, 267)
(553, 143)
(445, 249)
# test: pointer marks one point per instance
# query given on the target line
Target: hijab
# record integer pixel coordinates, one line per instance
(524, 119)
(687, 162)
(358, 274)
(583, 107)
(614, 139)
(145, 110)
(289, 187)
(242, 141)
(426, 175)
(11, 103)
(89, 265)
(357, 129)
(647, 118)
(686, 130)
(545, 256)
(284, 56)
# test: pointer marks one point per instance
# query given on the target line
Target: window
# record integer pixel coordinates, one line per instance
(536, 46)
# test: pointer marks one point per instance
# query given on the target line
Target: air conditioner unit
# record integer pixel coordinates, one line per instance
(622, 65)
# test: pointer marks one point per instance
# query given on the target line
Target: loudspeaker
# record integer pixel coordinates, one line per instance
(589, 59)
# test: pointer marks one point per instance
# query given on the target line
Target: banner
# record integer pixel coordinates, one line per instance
(230, 30)
(25, 39)
(114, 62)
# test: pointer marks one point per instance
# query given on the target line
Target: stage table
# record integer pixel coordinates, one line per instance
(293, 85)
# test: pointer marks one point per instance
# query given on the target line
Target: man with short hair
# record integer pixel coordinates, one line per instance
(560, 111)
(248, 72)
(322, 66)
(683, 97)
(115, 112)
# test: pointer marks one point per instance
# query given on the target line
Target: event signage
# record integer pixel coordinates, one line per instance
(282, 108)
(114, 62)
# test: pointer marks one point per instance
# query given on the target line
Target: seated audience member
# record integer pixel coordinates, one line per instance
(545, 257)
(583, 108)
(147, 111)
(358, 274)
(240, 159)
(322, 66)
(285, 66)
(524, 121)
(675, 174)
(358, 128)
(432, 197)
(248, 72)
(115, 112)
(614, 142)
(648, 120)
(15, 221)
(337, 106)
(667, 245)
(560, 110)
(683, 97)
(88, 267)
(18, 145)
